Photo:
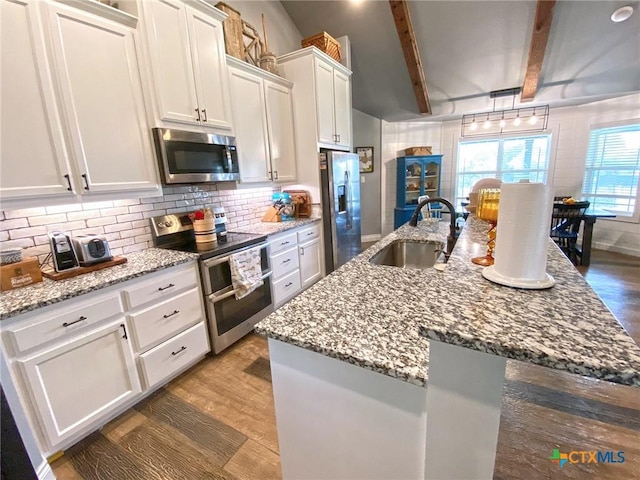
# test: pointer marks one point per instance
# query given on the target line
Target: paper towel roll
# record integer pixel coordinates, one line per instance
(522, 237)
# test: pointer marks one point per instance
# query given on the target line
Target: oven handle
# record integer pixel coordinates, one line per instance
(212, 262)
(214, 298)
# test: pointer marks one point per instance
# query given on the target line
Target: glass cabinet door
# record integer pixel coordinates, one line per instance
(414, 185)
(431, 179)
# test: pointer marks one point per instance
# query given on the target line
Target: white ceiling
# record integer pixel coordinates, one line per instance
(469, 48)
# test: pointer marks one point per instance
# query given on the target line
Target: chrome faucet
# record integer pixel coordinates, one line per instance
(451, 239)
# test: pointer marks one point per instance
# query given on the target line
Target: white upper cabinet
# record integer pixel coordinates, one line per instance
(264, 130)
(342, 108)
(325, 103)
(187, 55)
(333, 89)
(101, 94)
(33, 156)
(73, 118)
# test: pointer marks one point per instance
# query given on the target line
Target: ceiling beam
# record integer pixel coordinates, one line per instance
(539, 38)
(402, 19)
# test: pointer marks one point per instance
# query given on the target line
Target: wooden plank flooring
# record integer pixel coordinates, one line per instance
(217, 421)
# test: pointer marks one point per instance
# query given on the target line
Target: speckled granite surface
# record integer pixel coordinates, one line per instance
(377, 317)
(49, 292)
(271, 228)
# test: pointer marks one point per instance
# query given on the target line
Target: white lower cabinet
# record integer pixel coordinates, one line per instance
(285, 288)
(79, 363)
(310, 263)
(76, 383)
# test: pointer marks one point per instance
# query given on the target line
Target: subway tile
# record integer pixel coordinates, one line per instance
(126, 203)
(27, 232)
(98, 222)
(15, 223)
(135, 247)
(88, 231)
(25, 212)
(173, 197)
(97, 205)
(73, 207)
(141, 223)
(141, 208)
(129, 217)
(41, 240)
(36, 251)
(19, 243)
(83, 215)
(151, 200)
(114, 211)
(117, 227)
(4, 235)
(116, 251)
(121, 243)
(48, 219)
(143, 238)
(176, 210)
(154, 213)
(161, 205)
(66, 226)
(132, 232)
(184, 203)
(110, 237)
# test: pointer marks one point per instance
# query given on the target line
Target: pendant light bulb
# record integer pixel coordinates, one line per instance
(516, 122)
(502, 122)
(533, 120)
(474, 125)
(486, 124)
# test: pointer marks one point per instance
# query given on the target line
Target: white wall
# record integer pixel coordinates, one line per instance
(282, 34)
(366, 133)
(395, 138)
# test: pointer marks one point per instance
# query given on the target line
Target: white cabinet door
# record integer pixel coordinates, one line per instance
(170, 51)
(32, 149)
(280, 127)
(310, 263)
(324, 102)
(251, 126)
(210, 69)
(342, 102)
(82, 381)
(97, 68)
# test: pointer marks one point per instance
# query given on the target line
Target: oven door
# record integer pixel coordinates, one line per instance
(192, 157)
(230, 318)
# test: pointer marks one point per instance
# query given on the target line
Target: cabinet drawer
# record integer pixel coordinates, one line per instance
(64, 321)
(169, 357)
(284, 262)
(285, 288)
(160, 287)
(283, 242)
(159, 322)
(308, 234)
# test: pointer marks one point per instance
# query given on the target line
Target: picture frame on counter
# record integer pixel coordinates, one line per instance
(366, 159)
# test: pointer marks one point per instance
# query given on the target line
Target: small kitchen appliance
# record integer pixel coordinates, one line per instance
(62, 251)
(91, 249)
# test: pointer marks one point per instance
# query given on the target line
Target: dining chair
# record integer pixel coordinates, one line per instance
(565, 225)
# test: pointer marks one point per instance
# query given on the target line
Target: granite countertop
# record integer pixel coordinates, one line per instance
(48, 292)
(378, 317)
(271, 228)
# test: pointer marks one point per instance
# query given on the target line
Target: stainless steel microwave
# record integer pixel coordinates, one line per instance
(194, 157)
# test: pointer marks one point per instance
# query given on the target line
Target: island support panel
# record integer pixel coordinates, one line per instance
(464, 398)
(337, 420)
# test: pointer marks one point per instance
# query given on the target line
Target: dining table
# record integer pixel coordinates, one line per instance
(589, 217)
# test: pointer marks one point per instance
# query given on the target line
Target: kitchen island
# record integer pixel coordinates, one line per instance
(350, 359)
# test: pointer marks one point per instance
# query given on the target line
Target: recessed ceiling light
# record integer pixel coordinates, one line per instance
(621, 14)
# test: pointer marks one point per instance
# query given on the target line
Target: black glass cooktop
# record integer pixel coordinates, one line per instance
(234, 241)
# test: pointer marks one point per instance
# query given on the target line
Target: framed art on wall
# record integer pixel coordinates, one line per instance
(366, 159)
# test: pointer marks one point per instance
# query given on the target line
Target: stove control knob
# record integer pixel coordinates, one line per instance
(166, 224)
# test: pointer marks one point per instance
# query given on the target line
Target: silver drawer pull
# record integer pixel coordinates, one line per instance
(179, 351)
(175, 312)
(310, 233)
(164, 288)
(68, 324)
(288, 285)
(284, 243)
(286, 261)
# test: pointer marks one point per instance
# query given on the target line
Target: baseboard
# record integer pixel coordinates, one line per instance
(370, 238)
(45, 472)
(634, 252)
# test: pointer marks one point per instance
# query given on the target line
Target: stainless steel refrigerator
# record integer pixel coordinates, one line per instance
(340, 186)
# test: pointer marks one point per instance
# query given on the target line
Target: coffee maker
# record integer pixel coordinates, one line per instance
(62, 251)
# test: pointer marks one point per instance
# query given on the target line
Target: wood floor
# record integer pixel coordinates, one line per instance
(217, 421)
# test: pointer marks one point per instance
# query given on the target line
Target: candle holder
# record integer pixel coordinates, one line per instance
(488, 201)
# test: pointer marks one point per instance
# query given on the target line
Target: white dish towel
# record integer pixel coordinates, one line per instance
(246, 271)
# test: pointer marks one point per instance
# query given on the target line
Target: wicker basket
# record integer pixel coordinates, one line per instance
(413, 151)
(324, 42)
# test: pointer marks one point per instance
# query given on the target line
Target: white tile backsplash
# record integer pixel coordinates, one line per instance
(125, 223)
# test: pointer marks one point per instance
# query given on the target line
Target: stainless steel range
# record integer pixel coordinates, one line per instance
(229, 319)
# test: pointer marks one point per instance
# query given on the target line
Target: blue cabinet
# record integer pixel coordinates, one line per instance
(416, 176)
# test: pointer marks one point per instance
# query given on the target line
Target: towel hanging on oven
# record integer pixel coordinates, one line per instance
(246, 271)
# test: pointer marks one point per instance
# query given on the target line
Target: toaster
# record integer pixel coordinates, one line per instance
(91, 249)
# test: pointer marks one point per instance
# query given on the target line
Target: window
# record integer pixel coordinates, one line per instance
(612, 169)
(509, 159)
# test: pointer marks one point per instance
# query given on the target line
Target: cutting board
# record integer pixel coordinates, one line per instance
(302, 199)
(74, 272)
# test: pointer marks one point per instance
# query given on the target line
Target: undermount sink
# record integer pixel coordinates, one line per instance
(409, 254)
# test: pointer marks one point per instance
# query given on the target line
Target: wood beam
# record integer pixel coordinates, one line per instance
(539, 38)
(402, 19)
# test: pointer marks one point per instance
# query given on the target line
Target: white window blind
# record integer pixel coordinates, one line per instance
(509, 159)
(612, 169)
